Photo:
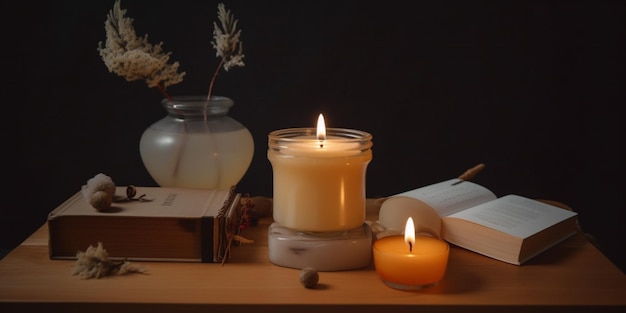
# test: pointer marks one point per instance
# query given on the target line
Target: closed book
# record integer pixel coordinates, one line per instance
(165, 224)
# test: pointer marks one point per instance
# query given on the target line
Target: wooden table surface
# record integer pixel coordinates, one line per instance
(573, 276)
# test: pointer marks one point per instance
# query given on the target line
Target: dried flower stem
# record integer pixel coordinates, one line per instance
(180, 151)
(163, 91)
(217, 71)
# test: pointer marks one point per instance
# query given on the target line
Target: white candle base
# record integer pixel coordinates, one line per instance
(326, 252)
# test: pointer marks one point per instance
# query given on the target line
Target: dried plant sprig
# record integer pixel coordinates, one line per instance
(134, 58)
(233, 230)
(95, 263)
(227, 44)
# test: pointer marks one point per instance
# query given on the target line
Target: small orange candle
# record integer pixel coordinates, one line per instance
(410, 262)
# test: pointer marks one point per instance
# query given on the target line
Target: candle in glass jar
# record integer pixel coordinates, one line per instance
(410, 262)
(319, 177)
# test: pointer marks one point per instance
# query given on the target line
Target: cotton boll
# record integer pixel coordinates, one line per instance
(104, 183)
(101, 200)
(99, 182)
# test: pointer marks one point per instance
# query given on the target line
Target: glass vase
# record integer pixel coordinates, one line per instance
(197, 145)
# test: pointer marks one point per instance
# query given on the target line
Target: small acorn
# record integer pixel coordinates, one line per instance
(131, 191)
(309, 277)
(101, 200)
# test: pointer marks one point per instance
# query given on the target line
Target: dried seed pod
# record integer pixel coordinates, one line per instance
(309, 277)
(101, 200)
(131, 191)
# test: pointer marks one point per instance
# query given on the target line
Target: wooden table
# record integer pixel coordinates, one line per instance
(573, 276)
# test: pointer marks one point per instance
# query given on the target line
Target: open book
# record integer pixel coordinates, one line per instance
(511, 228)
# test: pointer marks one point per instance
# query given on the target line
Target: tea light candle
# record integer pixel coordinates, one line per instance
(319, 177)
(410, 262)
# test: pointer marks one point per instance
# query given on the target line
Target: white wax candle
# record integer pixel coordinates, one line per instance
(319, 182)
(319, 193)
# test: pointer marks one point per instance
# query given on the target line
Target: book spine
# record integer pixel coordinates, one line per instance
(207, 239)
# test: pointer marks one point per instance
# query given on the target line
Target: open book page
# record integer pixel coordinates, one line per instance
(515, 215)
(451, 196)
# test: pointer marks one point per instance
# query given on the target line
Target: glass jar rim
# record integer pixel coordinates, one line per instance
(296, 142)
(190, 106)
(339, 134)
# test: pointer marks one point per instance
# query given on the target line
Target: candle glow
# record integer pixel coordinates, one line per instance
(422, 264)
(321, 130)
(409, 233)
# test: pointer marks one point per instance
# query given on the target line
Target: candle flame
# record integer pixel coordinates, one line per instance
(321, 130)
(409, 233)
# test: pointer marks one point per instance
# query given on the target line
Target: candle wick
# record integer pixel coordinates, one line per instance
(410, 246)
(321, 144)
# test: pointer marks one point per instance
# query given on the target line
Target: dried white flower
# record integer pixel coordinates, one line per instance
(226, 39)
(95, 263)
(226, 42)
(134, 58)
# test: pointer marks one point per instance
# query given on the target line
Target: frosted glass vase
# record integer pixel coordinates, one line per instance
(197, 145)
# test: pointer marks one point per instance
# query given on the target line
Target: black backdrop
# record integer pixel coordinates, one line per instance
(530, 88)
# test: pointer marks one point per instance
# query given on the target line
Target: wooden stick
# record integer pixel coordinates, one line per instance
(469, 174)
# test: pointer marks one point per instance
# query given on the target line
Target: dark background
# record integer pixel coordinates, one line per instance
(530, 88)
